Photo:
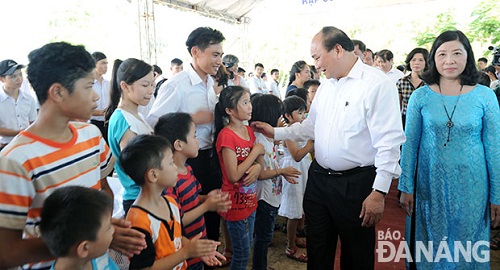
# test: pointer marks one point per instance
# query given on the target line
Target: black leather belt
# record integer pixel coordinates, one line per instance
(343, 173)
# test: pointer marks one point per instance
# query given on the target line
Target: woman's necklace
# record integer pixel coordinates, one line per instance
(450, 123)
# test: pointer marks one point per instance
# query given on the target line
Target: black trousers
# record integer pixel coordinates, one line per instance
(206, 169)
(332, 204)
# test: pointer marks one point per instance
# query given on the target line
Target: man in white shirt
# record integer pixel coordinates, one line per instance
(101, 87)
(191, 91)
(18, 109)
(274, 84)
(385, 61)
(256, 83)
(356, 124)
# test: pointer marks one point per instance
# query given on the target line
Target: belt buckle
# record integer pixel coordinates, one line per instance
(335, 173)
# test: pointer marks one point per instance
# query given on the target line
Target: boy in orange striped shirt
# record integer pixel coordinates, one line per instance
(54, 152)
(148, 160)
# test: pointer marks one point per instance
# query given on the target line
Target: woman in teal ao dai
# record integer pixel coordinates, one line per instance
(453, 148)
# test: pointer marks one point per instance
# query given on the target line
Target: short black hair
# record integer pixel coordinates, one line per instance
(300, 92)
(142, 153)
(98, 56)
(266, 108)
(71, 215)
(361, 45)
(58, 62)
(274, 70)
(157, 70)
(240, 69)
(203, 37)
(483, 59)
(386, 55)
(259, 65)
(291, 104)
(310, 83)
(174, 126)
(425, 54)
(333, 36)
(176, 62)
(469, 76)
(484, 79)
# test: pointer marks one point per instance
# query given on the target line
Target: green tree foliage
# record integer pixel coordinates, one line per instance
(485, 26)
(444, 21)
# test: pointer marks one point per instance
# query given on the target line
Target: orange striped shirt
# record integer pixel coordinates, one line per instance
(31, 168)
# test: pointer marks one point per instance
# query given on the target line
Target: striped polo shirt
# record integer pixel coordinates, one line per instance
(186, 192)
(31, 168)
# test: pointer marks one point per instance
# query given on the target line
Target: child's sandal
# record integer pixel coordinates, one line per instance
(292, 254)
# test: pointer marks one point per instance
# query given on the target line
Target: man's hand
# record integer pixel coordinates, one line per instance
(263, 128)
(407, 201)
(125, 239)
(372, 209)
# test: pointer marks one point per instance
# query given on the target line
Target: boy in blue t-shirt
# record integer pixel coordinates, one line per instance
(76, 227)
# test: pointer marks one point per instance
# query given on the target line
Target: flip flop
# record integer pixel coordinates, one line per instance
(292, 254)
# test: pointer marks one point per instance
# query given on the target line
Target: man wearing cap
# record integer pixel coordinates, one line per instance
(17, 108)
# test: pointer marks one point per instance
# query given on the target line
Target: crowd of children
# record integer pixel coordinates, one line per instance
(164, 226)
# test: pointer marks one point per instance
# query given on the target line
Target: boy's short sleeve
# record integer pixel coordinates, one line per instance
(106, 158)
(17, 193)
(147, 256)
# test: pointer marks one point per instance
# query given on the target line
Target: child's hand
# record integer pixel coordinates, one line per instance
(213, 260)
(290, 174)
(197, 248)
(251, 174)
(259, 149)
(218, 201)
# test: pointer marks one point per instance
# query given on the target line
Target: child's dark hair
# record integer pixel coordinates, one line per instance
(300, 92)
(141, 154)
(297, 67)
(129, 71)
(174, 126)
(291, 104)
(266, 108)
(228, 99)
(98, 56)
(58, 62)
(310, 83)
(71, 215)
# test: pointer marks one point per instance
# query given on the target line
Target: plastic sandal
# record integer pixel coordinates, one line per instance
(301, 242)
(292, 255)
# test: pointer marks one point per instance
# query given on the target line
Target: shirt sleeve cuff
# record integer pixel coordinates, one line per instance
(279, 134)
(382, 182)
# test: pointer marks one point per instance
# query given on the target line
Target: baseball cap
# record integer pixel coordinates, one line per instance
(7, 67)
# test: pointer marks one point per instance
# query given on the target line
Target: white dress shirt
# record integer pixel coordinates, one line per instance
(394, 74)
(355, 121)
(257, 85)
(274, 88)
(101, 89)
(16, 114)
(186, 92)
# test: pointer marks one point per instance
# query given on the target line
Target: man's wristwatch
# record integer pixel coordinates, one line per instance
(381, 192)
